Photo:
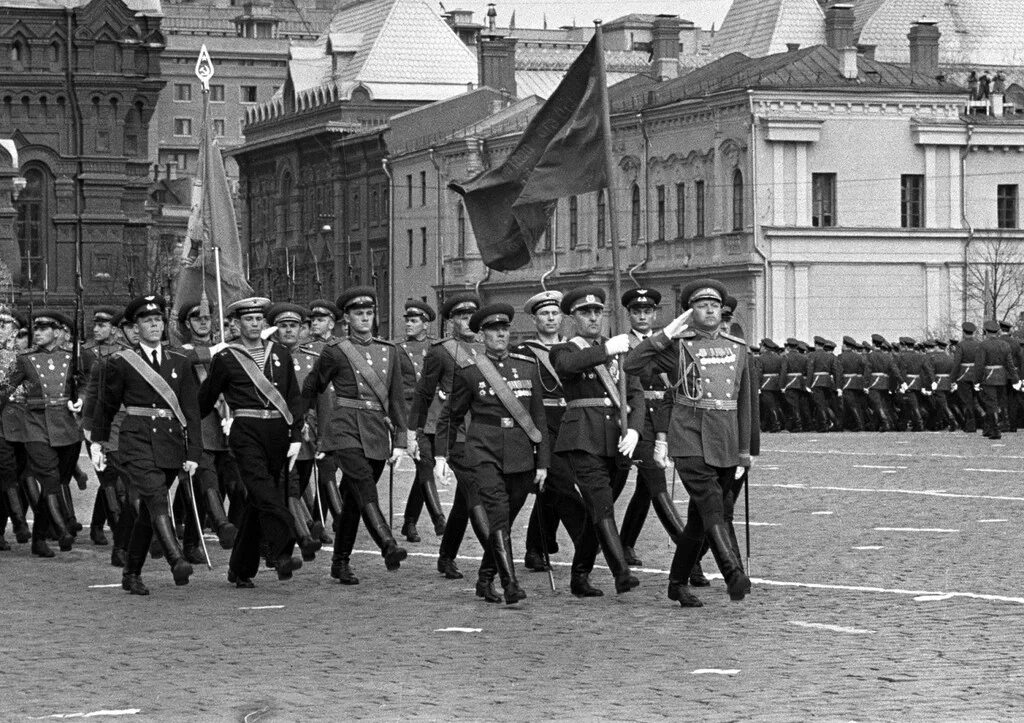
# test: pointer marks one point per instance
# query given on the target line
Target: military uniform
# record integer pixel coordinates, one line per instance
(794, 387)
(884, 376)
(917, 370)
(772, 374)
(824, 372)
(326, 467)
(963, 362)
(994, 368)
(12, 449)
(854, 369)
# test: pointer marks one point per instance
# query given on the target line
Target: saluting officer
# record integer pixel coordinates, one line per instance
(257, 380)
(709, 431)
(417, 341)
(366, 428)
(590, 435)
(159, 436)
(506, 438)
(994, 369)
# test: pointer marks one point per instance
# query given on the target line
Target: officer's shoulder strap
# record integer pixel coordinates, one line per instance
(438, 342)
(688, 334)
(385, 342)
(730, 337)
(308, 349)
(523, 357)
(176, 351)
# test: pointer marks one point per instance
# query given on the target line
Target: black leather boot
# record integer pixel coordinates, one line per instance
(345, 541)
(631, 558)
(432, 502)
(485, 580)
(501, 547)
(410, 532)
(534, 561)
(21, 531)
(380, 531)
(685, 560)
(226, 532)
(608, 534)
(73, 525)
(668, 514)
(697, 578)
(736, 579)
(447, 567)
(65, 539)
(307, 544)
(118, 556)
(481, 525)
(163, 530)
(131, 580)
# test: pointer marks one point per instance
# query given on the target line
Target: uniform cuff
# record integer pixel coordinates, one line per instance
(661, 340)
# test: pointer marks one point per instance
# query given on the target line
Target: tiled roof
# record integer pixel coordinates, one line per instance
(206, 19)
(762, 27)
(978, 32)
(145, 7)
(543, 82)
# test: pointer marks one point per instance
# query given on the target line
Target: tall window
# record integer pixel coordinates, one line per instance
(423, 245)
(219, 127)
(182, 126)
(1006, 205)
(286, 202)
(460, 250)
(247, 93)
(634, 227)
(698, 201)
(601, 220)
(423, 188)
(31, 226)
(408, 191)
(823, 199)
(410, 239)
(912, 201)
(737, 200)
(548, 239)
(680, 210)
(182, 92)
(661, 213)
(574, 223)
(216, 93)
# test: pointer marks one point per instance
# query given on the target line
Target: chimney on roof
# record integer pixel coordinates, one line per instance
(665, 46)
(792, 47)
(848, 63)
(839, 21)
(924, 47)
(496, 56)
(867, 50)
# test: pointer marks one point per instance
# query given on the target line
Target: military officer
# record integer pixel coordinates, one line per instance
(824, 372)
(994, 369)
(884, 376)
(854, 368)
(772, 372)
(159, 436)
(709, 431)
(257, 381)
(416, 343)
(323, 318)
(794, 385)
(919, 375)
(12, 428)
(506, 437)
(366, 428)
(963, 362)
(591, 437)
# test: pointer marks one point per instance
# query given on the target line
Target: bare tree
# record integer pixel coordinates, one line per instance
(995, 278)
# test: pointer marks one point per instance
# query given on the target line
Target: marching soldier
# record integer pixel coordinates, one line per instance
(365, 427)
(418, 314)
(772, 371)
(159, 436)
(823, 370)
(590, 436)
(917, 370)
(885, 375)
(323, 318)
(709, 432)
(506, 437)
(963, 361)
(942, 416)
(994, 369)
(257, 381)
(794, 386)
(854, 369)
(12, 433)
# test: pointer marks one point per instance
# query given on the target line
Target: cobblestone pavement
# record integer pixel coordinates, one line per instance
(886, 586)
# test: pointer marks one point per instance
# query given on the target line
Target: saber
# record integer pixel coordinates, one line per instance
(746, 512)
(544, 542)
(391, 496)
(316, 491)
(199, 525)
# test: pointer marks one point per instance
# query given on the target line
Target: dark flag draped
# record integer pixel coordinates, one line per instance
(560, 154)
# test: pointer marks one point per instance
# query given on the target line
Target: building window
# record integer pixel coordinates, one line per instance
(460, 249)
(423, 188)
(286, 202)
(661, 213)
(247, 93)
(823, 199)
(31, 226)
(423, 245)
(912, 201)
(680, 210)
(1006, 205)
(410, 240)
(218, 128)
(737, 200)
(698, 201)
(182, 126)
(634, 226)
(216, 93)
(180, 161)
(374, 206)
(574, 222)
(547, 240)
(354, 211)
(182, 92)
(408, 190)
(601, 219)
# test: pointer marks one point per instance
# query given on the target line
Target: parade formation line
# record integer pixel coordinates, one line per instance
(875, 490)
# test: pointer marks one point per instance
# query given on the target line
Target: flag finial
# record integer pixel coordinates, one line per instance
(204, 68)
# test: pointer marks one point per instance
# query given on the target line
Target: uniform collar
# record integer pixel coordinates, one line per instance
(493, 356)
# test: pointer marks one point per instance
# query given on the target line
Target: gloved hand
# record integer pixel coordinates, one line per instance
(539, 478)
(746, 462)
(661, 453)
(75, 406)
(926, 392)
(293, 454)
(268, 332)
(952, 387)
(441, 471)
(677, 325)
(628, 442)
(618, 344)
(740, 471)
(413, 446)
(190, 467)
(903, 388)
(839, 393)
(935, 385)
(225, 425)
(1019, 386)
(977, 387)
(97, 457)
(396, 454)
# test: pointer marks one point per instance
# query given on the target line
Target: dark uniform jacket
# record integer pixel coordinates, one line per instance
(46, 378)
(159, 440)
(365, 427)
(412, 364)
(551, 385)
(916, 368)
(435, 384)
(227, 378)
(304, 359)
(492, 435)
(716, 425)
(593, 429)
(772, 372)
(794, 370)
(654, 384)
(823, 370)
(883, 371)
(942, 365)
(963, 361)
(853, 367)
(994, 365)
(213, 434)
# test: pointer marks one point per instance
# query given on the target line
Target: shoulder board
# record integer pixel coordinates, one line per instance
(189, 347)
(308, 349)
(688, 334)
(27, 352)
(437, 342)
(523, 357)
(730, 337)
(177, 351)
(385, 342)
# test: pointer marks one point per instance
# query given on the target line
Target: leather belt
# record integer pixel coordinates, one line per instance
(559, 402)
(369, 405)
(257, 413)
(48, 401)
(722, 404)
(654, 394)
(151, 412)
(493, 421)
(589, 402)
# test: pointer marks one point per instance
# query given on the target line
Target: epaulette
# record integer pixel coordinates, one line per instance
(307, 349)
(730, 337)
(523, 357)
(385, 342)
(176, 350)
(435, 342)
(688, 334)
(190, 347)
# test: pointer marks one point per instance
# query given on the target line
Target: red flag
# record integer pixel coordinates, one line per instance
(560, 154)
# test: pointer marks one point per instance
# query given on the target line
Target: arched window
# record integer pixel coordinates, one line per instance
(460, 251)
(32, 226)
(634, 229)
(737, 200)
(19, 54)
(601, 219)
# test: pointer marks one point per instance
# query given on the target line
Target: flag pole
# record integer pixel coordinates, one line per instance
(204, 71)
(609, 172)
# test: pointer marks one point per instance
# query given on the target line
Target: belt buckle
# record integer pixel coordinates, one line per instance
(607, 402)
(368, 403)
(718, 404)
(506, 422)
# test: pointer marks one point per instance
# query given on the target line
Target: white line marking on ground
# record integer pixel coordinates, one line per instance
(459, 630)
(255, 715)
(998, 445)
(758, 524)
(877, 466)
(934, 598)
(93, 714)
(891, 591)
(832, 452)
(913, 529)
(715, 671)
(824, 512)
(867, 547)
(832, 628)
(263, 607)
(874, 490)
(1000, 471)
(993, 520)
(115, 584)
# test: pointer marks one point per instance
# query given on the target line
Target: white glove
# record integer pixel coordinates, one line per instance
(839, 392)
(319, 455)
(268, 332)
(225, 425)
(539, 478)
(618, 344)
(1019, 386)
(661, 453)
(935, 385)
(396, 454)
(677, 325)
(441, 471)
(75, 407)
(926, 392)
(952, 387)
(293, 454)
(977, 387)
(628, 442)
(740, 471)
(413, 446)
(903, 388)
(190, 467)
(97, 457)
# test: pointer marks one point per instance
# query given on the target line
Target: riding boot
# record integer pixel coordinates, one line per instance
(64, 537)
(736, 579)
(481, 525)
(181, 569)
(73, 525)
(501, 548)
(307, 544)
(669, 516)
(432, 502)
(687, 556)
(608, 535)
(226, 531)
(131, 580)
(33, 491)
(345, 540)
(579, 573)
(380, 531)
(21, 531)
(329, 492)
(697, 578)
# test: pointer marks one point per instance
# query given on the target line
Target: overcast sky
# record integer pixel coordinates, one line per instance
(530, 13)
